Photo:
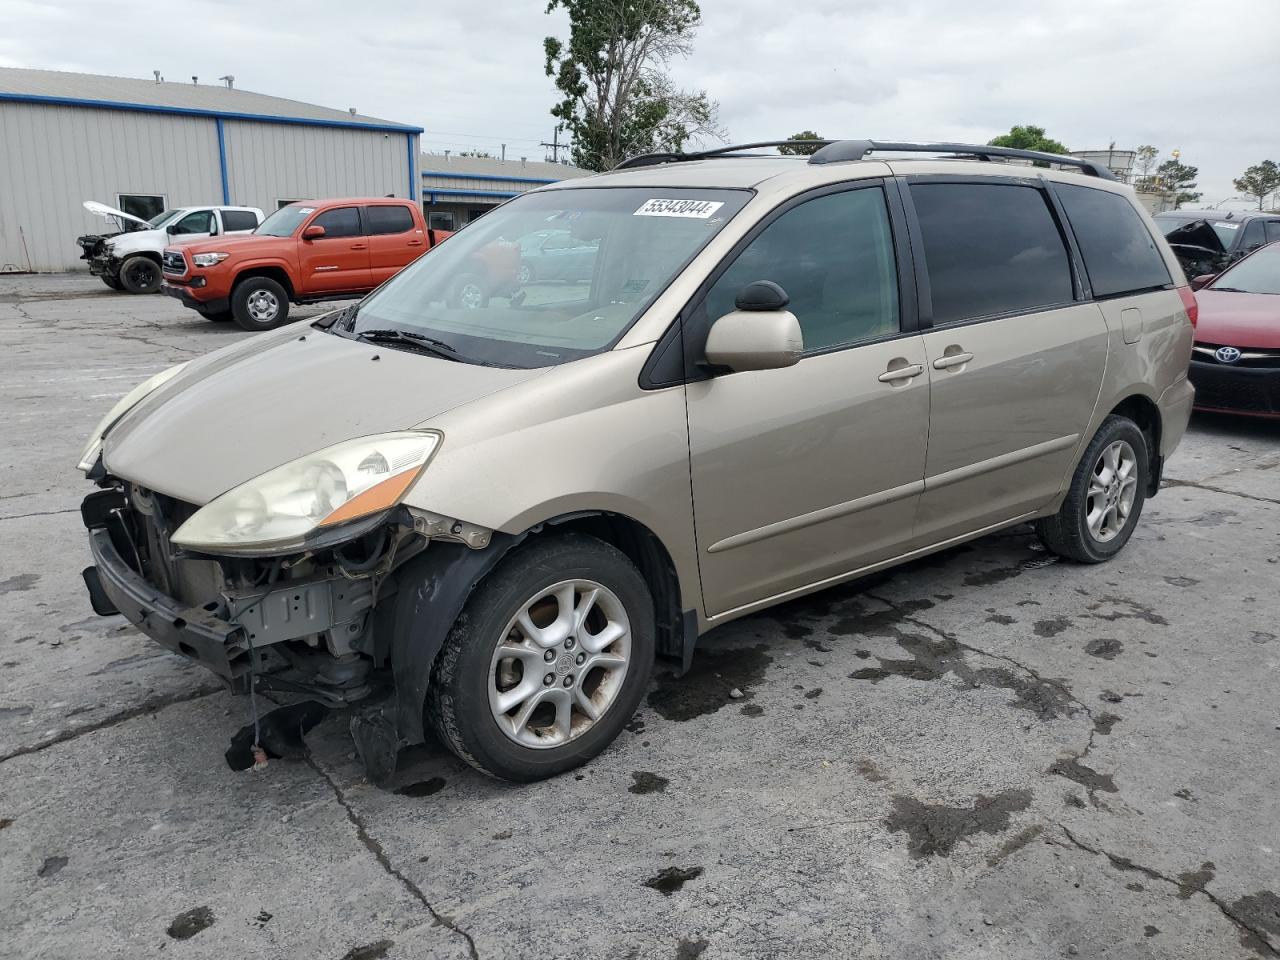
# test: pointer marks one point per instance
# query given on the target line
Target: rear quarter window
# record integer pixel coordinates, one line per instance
(238, 220)
(387, 218)
(1120, 255)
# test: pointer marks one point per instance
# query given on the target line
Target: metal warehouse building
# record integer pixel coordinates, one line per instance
(144, 146)
(457, 190)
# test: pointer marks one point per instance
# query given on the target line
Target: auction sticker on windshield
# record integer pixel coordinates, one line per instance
(697, 209)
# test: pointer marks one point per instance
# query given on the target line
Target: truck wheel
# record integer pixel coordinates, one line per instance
(547, 662)
(469, 293)
(217, 316)
(112, 282)
(1105, 498)
(140, 274)
(259, 303)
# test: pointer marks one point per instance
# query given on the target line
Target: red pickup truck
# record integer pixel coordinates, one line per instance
(305, 252)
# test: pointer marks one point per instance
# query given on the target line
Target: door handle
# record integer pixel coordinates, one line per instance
(415, 243)
(908, 372)
(952, 360)
(359, 246)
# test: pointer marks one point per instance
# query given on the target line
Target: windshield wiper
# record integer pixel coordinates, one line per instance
(1228, 290)
(422, 341)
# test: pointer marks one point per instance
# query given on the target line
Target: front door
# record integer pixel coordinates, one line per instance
(1015, 359)
(803, 474)
(340, 259)
(196, 225)
(395, 239)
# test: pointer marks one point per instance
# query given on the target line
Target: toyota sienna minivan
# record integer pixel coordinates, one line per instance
(487, 518)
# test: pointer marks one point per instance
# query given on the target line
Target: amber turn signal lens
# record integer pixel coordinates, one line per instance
(378, 497)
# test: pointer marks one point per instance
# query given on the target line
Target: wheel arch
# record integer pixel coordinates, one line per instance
(271, 271)
(1144, 412)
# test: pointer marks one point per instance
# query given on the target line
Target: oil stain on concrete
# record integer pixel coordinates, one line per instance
(934, 829)
(186, 925)
(369, 951)
(423, 788)
(23, 581)
(1261, 913)
(645, 782)
(1072, 769)
(706, 687)
(671, 879)
(1052, 627)
(1104, 648)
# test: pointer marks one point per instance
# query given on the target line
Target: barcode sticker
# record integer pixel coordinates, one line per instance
(697, 209)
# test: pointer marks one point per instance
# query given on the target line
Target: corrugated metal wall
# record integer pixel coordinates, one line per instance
(270, 162)
(53, 158)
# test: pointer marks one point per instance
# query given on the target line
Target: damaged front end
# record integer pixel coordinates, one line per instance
(95, 249)
(327, 621)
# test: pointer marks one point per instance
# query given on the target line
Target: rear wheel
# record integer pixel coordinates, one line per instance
(259, 303)
(547, 662)
(140, 274)
(1106, 496)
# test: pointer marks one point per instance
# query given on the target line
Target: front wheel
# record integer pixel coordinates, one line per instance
(112, 282)
(469, 293)
(259, 303)
(547, 662)
(1106, 496)
(140, 274)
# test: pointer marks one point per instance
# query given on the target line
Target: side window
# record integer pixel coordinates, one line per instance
(990, 249)
(386, 218)
(200, 221)
(339, 222)
(1253, 236)
(1119, 252)
(833, 255)
(1273, 231)
(141, 205)
(238, 220)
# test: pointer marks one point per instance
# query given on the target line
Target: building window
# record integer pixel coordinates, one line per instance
(440, 220)
(475, 214)
(144, 206)
(285, 203)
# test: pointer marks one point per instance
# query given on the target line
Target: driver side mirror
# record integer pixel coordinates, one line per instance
(1202, 281)
(760, 335)
(313, 232)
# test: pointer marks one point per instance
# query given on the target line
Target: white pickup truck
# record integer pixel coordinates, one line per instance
(129, 259)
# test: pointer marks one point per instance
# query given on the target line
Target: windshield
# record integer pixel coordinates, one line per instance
(551, 276)
(162, 219)
(284, 221)
(1259, 273)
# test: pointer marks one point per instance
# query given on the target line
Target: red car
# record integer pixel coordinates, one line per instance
(1235, 364)
(305, 252)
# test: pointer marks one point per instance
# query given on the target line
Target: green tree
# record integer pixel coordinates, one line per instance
(1178, 178)
(617, 98)
(1259, 181)
(1144, 163)
(1027, 137)
(803, 149)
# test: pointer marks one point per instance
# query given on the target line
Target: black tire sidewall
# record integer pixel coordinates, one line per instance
(521, 575)
(126, 269)
(240, 304)
(1113, 429)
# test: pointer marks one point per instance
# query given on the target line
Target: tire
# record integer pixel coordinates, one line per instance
(140, 274)
(1093, 496)
(112, 282)
(259, 303)
(217, 316)
(525, 274)
(469, 675)
(469, 292)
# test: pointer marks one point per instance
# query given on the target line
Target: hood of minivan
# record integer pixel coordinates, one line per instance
(1238, 319)
(268, 400)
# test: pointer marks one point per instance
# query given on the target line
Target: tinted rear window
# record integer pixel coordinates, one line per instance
(238, 220)
(991, 249)
(387, 219)
(1119, 252)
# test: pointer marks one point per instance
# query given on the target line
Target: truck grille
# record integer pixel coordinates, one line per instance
(174, 263)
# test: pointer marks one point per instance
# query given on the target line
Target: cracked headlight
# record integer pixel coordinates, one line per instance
(282, 507)
(208, 259)
(89, 455)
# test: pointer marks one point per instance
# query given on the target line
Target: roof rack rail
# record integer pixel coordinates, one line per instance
(650, 159)
(841, 151)
(845, 150)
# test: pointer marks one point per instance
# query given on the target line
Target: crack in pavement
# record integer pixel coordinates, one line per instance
(1258, 938)
(149, 705)
(40, 513)
(1230, 493)
(373, 846)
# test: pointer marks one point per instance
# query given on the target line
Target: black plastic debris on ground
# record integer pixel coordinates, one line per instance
(280, 734)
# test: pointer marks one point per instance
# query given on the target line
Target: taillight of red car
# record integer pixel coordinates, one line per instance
(1189, 301)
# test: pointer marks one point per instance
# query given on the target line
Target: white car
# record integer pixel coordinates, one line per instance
(129, 259)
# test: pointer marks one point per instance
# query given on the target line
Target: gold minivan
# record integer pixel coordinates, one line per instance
(486, 515)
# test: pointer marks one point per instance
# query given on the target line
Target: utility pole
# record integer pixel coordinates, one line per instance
(555, 145)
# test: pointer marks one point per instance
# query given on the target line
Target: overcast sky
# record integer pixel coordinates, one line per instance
(1180, 74)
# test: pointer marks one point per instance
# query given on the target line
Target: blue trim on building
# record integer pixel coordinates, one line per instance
(200, 112)
(484, 176)
(430, 193)
(412, 179)
(222, 163)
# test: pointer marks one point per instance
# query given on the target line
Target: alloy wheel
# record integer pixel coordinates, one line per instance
(1112, 489)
